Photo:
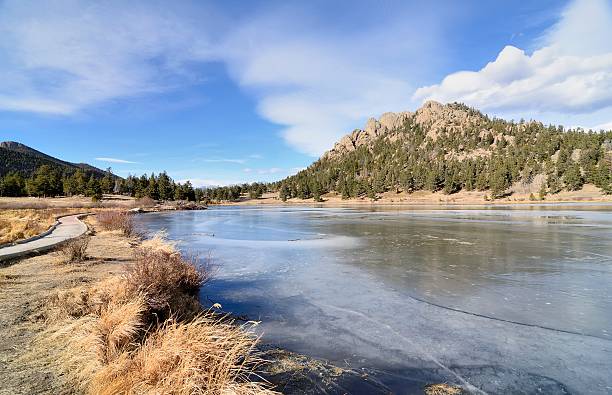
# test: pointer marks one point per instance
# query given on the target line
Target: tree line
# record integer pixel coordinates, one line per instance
(490, 156)
(49, 181)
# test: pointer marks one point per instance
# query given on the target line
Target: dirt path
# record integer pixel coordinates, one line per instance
(69, 227)
(25, 287)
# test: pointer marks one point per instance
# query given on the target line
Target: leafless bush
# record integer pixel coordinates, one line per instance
(117, 220)
(145, 202)
(129, 334)
(75, 250)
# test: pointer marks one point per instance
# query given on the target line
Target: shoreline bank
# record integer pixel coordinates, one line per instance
(588, 195)
(29, 284)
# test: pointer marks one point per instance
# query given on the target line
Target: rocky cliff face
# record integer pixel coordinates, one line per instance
(432, 117)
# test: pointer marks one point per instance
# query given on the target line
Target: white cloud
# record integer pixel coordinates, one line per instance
(69, 55)
(570, 73)
(603, 126)
(316, 78)
(320, 84)
(114, 160)
(272, 170)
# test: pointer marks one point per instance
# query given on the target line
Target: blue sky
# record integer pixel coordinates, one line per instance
(234, 91)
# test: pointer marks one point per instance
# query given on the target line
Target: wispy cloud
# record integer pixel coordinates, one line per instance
(114, 160)
(271, 170)
(303, 70)
(226, 160)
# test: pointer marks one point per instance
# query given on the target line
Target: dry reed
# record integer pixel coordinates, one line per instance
(117, 220)
(21, 224)
(111, 338)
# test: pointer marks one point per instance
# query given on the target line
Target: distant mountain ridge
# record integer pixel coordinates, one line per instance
(453, 147)
(20, 158)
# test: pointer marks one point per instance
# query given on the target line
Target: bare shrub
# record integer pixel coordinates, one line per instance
(131, 334)
(75, 250)
(117, 220)
(145, 202)
(169, 282)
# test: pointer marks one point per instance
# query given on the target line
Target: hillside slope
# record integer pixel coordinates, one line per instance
(452, 148)
(20, 158)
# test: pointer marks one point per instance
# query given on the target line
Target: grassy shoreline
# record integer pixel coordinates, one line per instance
(102, 323)
(589, 194)
(126, 319)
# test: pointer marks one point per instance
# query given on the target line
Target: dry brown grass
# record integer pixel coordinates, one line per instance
(442, 389)
(159, 243)
(144, 202)
(75, 250)
(203, 356)
(169, 281)
(19, 224)
(112, 338)
(117, 220)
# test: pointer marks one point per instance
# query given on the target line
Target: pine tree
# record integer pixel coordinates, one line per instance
(283, 192)
(573, 178)
(164, 187)
(542, 192)
(93, 189)
(151, 188)
(107, 183)
(499, 181)
(554, 184)
(12, 184)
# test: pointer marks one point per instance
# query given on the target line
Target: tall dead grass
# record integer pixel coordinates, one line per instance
(117, 220)
(141, 333)
(21, 224)
(169, 281)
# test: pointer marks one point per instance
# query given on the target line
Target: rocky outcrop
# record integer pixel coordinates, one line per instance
(433, 117)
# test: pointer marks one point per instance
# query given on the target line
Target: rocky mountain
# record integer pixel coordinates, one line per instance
(454, 147)
(20, 158)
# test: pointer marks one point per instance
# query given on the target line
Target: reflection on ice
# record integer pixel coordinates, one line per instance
(395, 290)
(336, 242)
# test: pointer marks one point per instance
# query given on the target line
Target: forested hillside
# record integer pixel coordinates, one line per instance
(25, 171)
(451, 148)
(19, 158)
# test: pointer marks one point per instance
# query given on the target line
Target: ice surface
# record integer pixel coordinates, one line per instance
(502, 296)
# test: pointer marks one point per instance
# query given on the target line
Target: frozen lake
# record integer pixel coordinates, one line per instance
(497, 299)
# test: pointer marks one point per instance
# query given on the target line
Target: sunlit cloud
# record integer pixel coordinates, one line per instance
(304, 73)
(571, 73)
(226, 160)
(114, 160)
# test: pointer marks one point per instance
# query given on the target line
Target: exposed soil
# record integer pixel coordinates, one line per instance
(588, 194)
(25, 287)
